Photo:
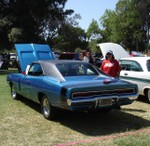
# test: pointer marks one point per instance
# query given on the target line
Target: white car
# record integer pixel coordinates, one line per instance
(137, 70)
(134, 69)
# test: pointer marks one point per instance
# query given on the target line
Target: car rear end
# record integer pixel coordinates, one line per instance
(95, 95)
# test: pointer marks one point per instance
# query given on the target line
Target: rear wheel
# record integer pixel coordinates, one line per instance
(14, 94)
(148, 95)
(48, 110)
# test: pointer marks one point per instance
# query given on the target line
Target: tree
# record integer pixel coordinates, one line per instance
(144, 12)
(28, 21)
(129, 24)
(109, 24)
(70, 36)
(124, 25)
(93, 35)
(93, 32)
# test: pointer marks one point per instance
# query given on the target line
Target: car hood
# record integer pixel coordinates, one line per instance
(118, 51)
(27, 53)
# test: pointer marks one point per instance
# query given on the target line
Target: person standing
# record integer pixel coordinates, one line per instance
(110, 65)
(91, 59)
(85, 58)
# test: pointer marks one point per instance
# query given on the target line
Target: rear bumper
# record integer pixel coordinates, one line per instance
(95, 102)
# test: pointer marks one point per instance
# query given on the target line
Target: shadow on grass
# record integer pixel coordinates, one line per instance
(97, 123)
(143, 99)
(30, 103)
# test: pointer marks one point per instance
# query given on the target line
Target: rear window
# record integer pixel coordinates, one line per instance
(76, 69)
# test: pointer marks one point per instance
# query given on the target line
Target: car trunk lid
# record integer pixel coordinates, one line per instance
(118, 51)
(27, 53)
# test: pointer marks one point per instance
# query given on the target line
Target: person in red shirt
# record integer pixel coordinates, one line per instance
(110, 65)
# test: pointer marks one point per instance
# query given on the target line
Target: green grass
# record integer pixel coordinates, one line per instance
(22, 124)
(136, 140)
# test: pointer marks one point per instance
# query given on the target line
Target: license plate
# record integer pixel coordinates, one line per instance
(104, 102)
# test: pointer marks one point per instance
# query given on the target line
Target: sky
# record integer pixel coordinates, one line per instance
(90, 9)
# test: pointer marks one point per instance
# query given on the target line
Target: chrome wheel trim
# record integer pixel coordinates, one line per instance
(46, 107)
(13, 94)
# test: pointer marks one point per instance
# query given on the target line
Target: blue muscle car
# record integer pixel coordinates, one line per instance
(66, 84)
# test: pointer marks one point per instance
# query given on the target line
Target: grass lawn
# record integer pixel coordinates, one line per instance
(22, 124)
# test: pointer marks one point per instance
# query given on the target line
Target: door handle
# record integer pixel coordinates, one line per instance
(125, 74)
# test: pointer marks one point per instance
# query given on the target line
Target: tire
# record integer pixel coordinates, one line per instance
(14, 94)
(148, 95)
(48, 110)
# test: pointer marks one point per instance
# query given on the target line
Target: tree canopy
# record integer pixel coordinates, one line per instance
(46, 21)
(128, 25)
(30, 21)
(70, 36)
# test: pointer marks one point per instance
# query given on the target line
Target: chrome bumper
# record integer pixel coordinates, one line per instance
(95, 99)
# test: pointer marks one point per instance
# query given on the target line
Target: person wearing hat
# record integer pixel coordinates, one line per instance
(110, 65)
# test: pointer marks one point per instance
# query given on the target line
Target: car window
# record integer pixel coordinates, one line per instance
(130, 65)
(148, 65)
(125, 64)
(136, 67)
(35, 70)
(76, 69)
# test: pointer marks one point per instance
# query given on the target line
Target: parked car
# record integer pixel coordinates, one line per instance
(134, 69)
(137, 54)
(4, 61)
(137, 70)
(13, 62)
(66, 84)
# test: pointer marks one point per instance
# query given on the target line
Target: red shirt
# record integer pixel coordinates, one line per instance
(111, 68)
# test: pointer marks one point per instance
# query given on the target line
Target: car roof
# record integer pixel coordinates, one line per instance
(50, 67)
(139, 59)
(60, 61)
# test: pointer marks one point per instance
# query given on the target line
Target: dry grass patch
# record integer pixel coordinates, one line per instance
(23, 124)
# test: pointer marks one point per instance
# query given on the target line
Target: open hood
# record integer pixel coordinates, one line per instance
(118, 51)
(27, 53)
